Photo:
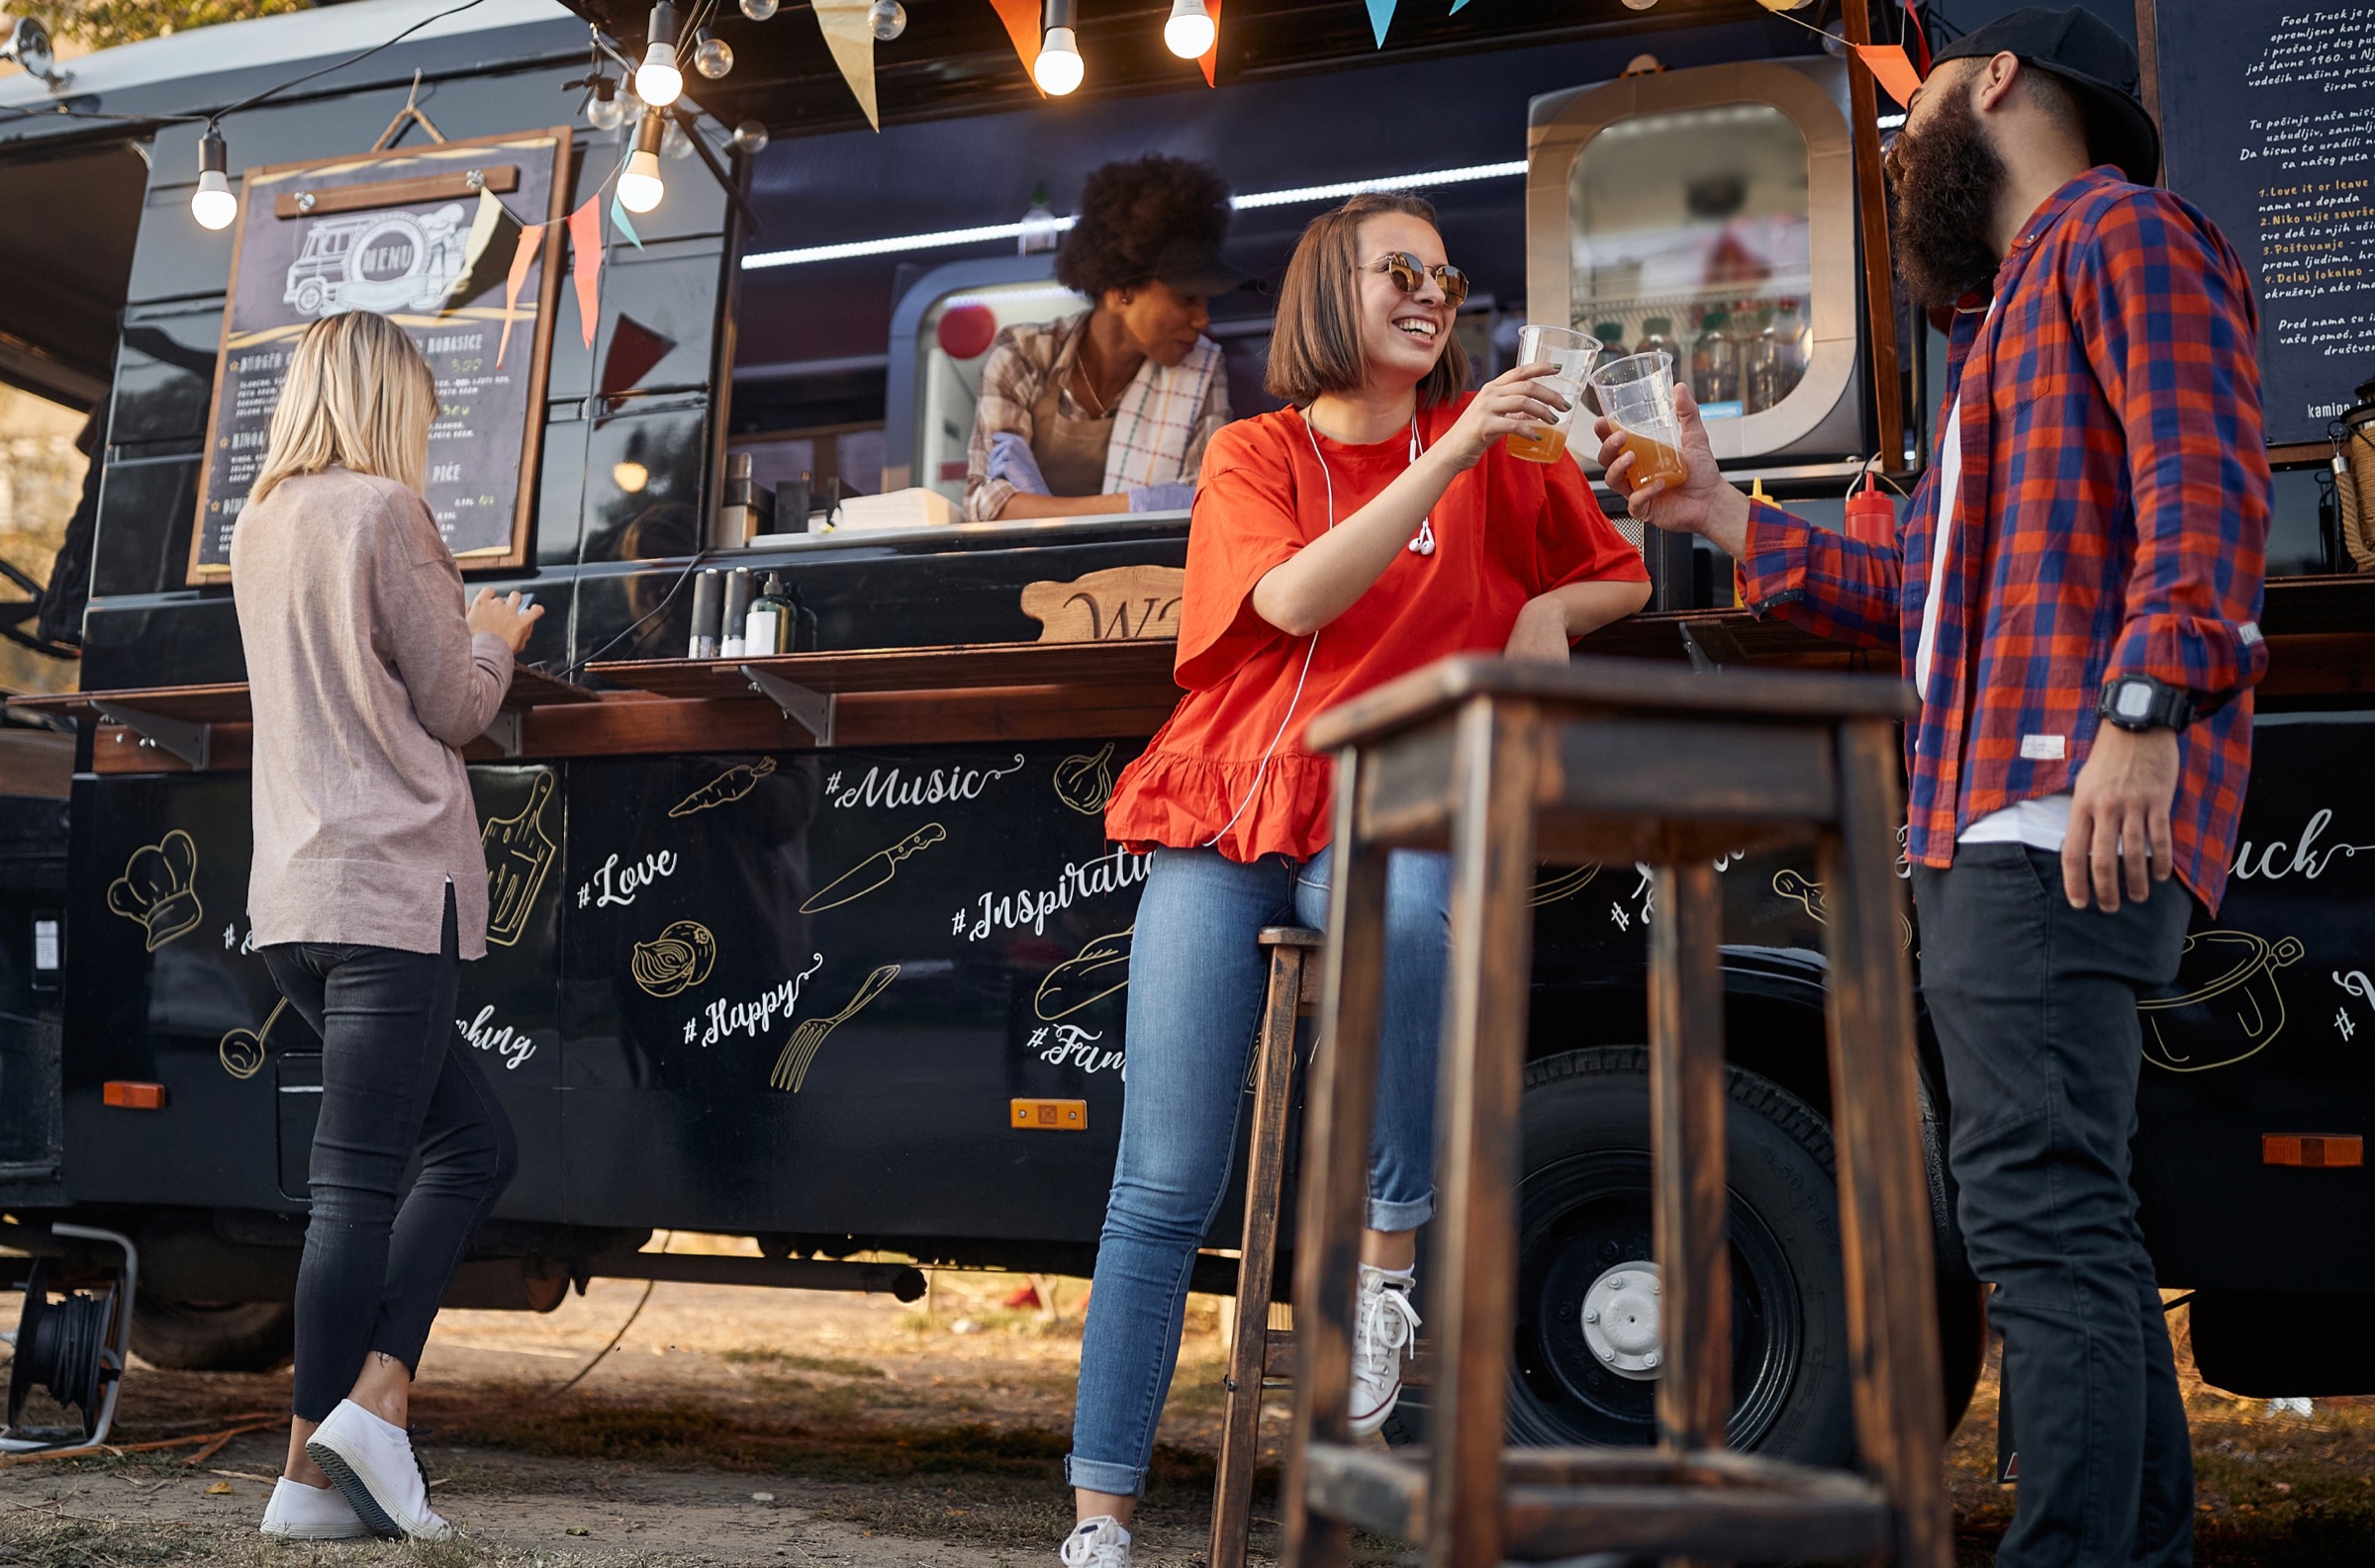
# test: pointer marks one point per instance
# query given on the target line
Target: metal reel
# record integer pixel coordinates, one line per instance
(73, 1347)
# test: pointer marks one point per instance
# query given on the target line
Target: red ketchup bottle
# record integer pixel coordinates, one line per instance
(1871, 515)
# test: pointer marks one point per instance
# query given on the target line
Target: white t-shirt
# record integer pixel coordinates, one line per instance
(2041, 824)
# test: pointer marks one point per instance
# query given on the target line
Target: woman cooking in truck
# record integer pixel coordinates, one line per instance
(1109, 409)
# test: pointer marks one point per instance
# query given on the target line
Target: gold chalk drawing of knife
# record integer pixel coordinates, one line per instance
(871, 872)
(800, 1051)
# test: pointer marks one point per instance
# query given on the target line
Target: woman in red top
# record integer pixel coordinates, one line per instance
(1372, 527)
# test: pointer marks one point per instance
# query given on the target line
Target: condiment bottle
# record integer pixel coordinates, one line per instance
(1871, 515)
(737, 609)
(1789, 350)
(708, 614)
(1714, 362)
(1039, 230)
(767, 625)
(1610, 332)
(1657, 332)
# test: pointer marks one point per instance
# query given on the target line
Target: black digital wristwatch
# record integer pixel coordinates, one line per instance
(2140, 702)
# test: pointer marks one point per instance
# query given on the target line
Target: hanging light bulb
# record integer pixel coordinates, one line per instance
(1059, 69)
(213, 204)
(713, 57)
(676, 143)
(887, 20)
(658, 81)
(604, 110)
(639, 184)
(1638, 5)
(750, 138)
(1189, 32)
(758, 10)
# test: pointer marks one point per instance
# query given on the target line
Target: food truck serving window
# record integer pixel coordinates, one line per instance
(952, 344)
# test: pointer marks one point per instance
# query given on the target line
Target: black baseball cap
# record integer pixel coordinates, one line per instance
(1193, 266)
(2087, 55)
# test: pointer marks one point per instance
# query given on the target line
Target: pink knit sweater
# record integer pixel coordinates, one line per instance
(365, 679)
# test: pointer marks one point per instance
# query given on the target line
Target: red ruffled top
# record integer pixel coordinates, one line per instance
(1506, 531)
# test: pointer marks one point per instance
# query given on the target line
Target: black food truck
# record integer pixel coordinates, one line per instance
(839, 963)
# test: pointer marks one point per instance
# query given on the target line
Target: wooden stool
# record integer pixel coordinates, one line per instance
(1293, 993)
(1610, 760)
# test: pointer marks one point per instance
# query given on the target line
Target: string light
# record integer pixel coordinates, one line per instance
(758, 10)
(1059, 69)
(713, 57)
(886, 20)
(639, 184)
(658, 81)
(604, 110)
(1189, 32)
(213, 204)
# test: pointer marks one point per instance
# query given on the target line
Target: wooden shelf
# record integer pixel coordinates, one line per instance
(956, 667)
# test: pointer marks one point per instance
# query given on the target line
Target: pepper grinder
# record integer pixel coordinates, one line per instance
(707, 612)
(730, 644)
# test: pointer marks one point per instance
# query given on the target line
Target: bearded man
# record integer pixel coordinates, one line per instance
(2075, 593)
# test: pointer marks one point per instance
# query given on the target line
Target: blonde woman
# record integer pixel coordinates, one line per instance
(367, 890)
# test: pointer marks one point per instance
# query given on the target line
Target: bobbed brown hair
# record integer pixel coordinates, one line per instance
(1315, 345)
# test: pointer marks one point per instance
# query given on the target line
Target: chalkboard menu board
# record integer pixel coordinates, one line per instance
(432, 237)
(2268, 111)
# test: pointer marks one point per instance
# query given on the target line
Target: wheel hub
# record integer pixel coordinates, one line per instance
(1621, 1321)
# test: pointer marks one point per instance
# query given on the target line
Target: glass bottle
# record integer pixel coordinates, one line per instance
(1611, 334)
(1657, 332)
(1715, 361)
(1759, 380)
(1039, 230)
(1790, 335)
(768, 625)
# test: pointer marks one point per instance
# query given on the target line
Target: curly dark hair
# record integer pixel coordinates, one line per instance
(1132, 211)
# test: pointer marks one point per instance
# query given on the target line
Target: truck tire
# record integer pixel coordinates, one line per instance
(1584, 1214)
(213, 1337)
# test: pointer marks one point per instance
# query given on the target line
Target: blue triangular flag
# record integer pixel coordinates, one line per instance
(1380, 16)
(619, 217)
(1455, 5)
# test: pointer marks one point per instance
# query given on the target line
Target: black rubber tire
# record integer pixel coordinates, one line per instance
(213, 1337)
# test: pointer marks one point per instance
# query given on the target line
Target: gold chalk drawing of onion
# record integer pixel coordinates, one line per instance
(676, 960)
(1086, 783)
(2225, 1006)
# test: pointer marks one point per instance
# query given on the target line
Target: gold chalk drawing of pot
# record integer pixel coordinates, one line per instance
(2225, 1006)
(159, 888)
(676, 960)
(1808, 896)
(1097, 972)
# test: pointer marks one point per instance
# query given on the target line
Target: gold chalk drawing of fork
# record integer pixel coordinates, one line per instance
(792, 1064)
(871, 872)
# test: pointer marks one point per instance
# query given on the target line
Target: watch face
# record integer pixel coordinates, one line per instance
(2132, 700)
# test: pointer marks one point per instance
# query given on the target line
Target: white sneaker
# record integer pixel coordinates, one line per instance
(298, 1512)
(371, 1463)
(1384, 1324)
(1102, 1542)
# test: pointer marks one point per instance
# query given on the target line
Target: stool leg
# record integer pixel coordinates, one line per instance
(1265, 1170)
(1883, 1187)
(1474, 1254)
(1338, 1108)
(1686, 1116)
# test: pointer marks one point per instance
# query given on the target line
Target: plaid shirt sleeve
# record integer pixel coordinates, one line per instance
(1011, 380)
(1822, 582)
(2164, 315)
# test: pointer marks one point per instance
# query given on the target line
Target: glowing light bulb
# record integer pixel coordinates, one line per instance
(639, 184)
(658, 82)
(887, 20)
(1059, 69)
(213, 204)
(629, 475)
(758, 10)
(1189, 32)
(713, 57)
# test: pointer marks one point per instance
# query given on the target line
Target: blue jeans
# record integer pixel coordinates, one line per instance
(1197, 983)
(2035, 1006)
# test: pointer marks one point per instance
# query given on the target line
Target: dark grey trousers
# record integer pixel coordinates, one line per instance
(2035, 1007)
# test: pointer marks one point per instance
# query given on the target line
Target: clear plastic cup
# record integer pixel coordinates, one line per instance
(1570, 354)
(1637, 394)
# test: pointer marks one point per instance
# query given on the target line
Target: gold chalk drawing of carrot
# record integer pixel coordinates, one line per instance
(871, 872)
(728, 787)
(1097, 972)
(800, 1051)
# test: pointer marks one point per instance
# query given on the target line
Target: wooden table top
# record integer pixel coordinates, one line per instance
(956, 667)
(226, 702)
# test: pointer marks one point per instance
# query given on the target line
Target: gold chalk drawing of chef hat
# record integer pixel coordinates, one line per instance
(156, 889)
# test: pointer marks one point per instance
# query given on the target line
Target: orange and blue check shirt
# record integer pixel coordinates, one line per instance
(2111, 520)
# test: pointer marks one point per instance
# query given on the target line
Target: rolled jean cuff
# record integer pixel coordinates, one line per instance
(1097, 1475)
(1384, 1216)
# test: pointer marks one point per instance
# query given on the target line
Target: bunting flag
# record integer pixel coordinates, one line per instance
(488, 253)
(623, 224)
(523, 257)
(585, 262)
(1211, 57)
(634, 351)
(1891, 69)
(1021, 18)
(1381, 17)
(847, 35)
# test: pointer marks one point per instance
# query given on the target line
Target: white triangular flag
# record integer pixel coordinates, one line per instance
(847, 35)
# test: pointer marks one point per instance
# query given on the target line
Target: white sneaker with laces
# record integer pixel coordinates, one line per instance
(298, 1512)
(1383, 1324)
(1099, 1543)
(371, 1463)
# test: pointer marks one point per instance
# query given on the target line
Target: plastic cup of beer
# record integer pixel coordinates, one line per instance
(1570, 353)
(1637, 394)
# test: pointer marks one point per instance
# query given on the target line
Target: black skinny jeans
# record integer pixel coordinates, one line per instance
(396, 1077)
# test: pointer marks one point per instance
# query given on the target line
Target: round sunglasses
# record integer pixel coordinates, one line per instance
(1410, 274)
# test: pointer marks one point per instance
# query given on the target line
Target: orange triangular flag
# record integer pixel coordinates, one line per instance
(1891, 69)
(1211, 57)
(1021, 18)
(523, 257)
(585, 262)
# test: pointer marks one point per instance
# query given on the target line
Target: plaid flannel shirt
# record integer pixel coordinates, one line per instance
(2112, 520)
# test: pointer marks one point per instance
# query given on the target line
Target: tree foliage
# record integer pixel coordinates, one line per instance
(103, 24)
